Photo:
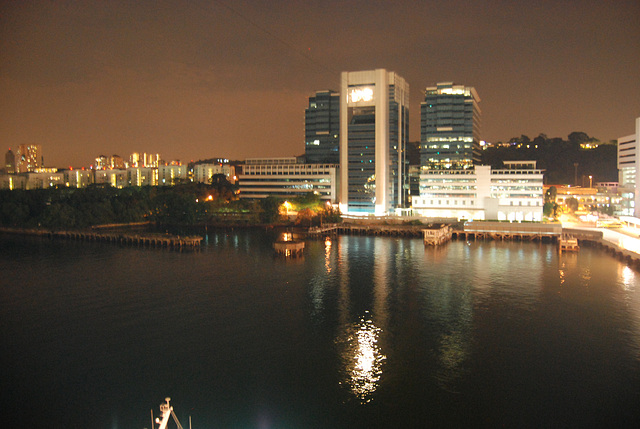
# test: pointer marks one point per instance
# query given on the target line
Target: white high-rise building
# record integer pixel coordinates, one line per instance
(374, 130)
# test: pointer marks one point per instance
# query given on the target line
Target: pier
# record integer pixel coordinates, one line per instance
(437, 235)
(367, 229)
(287, 246)
(510, 231)
(568, 243)
(149, 240)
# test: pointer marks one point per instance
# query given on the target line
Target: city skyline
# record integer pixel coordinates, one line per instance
(216, 79)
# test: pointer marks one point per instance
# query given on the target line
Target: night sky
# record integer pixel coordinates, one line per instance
(200, 79)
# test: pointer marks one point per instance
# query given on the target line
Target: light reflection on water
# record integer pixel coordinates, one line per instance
(361, 328)
(362, 358)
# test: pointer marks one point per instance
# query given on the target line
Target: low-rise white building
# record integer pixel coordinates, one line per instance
(514, 193)
(287, 178)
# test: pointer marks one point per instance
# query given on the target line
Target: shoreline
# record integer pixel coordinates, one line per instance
(126, 234)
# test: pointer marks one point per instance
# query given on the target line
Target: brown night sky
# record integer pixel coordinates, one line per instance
(199, 79)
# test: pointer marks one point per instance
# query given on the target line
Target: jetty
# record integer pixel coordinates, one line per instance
(437, 235)
(125, 238)
(568, 243)
(516, 231)
(390, 230)
(287, 246)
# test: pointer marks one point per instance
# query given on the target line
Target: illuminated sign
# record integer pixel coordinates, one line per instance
(361, 93)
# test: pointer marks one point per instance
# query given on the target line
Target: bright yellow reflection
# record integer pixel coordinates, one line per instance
(363, 359)
(628, 277)
(327, 254)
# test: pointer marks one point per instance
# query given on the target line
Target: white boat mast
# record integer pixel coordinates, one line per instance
(167, 411)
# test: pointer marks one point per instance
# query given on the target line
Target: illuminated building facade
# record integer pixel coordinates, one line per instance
(480, 193)
(113, 161)
(449, 127)
(287, 178)
(628, 177)
(102, 162)
(627, 161)
(44, 178)
(203, 173)
(144, 160)
(78, 178)
(590, 199)
(13, 181)
(9, 162)
(29, 158)
(114, 177)
(374, 124)
(134, 160)
(322, 128)
(142, 176)
(116, 161)
(171, 174)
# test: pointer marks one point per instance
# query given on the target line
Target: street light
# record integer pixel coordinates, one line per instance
(590, 181)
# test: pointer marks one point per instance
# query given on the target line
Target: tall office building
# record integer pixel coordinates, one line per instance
(28, 158)
(374, 129)
(10, 162)
(449, 127)
(322, 128)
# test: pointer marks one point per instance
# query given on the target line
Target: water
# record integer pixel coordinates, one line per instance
(360, 332)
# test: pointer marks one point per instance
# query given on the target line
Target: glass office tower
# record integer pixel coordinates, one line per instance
(374, 124)
(449, 127)
(322, 128)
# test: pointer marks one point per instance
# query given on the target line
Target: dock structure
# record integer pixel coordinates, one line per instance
(568, 243)
(368, 229)
(437, 235)
(149, 240)
(287, 246)
(510, 231)
(323, 230)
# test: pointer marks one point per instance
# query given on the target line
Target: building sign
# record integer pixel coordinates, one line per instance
(360, 93)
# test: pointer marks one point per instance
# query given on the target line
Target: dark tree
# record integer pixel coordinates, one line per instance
(270, 209)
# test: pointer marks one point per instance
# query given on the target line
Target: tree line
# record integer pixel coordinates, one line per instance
(185, 204)
(564, 161)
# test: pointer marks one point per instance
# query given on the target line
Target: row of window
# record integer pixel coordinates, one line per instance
(536, 203)
(266, 186)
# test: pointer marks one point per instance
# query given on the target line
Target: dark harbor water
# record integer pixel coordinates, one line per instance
(359, 332)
